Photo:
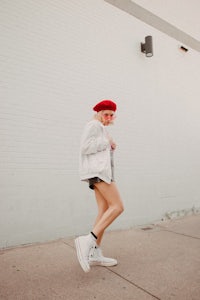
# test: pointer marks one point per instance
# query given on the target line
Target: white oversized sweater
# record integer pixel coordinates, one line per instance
(95, 152)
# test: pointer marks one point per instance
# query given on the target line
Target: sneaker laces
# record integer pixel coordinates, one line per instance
(92, 251)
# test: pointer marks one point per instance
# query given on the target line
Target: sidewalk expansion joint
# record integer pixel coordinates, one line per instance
(69, 245)
(183, 234)
(127, 280)
(134, 284)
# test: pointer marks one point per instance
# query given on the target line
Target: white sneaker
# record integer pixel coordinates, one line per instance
(83, 246)
(96, 258)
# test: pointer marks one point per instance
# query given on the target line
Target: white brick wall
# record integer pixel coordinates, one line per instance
(57, 60)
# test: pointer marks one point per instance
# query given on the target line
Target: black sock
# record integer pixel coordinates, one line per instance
(94, 235)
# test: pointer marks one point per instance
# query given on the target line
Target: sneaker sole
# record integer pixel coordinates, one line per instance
(80, 257)
(96, 263)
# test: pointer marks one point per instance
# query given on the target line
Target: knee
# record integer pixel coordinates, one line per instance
(118, 209)
(121, 209)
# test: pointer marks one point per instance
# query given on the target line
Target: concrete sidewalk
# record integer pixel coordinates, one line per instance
(155, 262)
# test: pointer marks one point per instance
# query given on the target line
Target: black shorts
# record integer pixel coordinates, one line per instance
(92, 181)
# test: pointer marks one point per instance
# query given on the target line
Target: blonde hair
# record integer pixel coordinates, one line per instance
(98, 116)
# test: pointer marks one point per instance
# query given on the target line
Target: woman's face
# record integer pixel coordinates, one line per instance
(107, 117)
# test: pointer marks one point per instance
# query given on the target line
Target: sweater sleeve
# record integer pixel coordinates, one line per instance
(92, 141)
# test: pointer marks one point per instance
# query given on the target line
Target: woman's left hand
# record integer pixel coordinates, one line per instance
(113, 145)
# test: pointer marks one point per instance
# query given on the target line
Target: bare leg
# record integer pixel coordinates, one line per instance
(109, 208)
(108, 192)
(102, 207)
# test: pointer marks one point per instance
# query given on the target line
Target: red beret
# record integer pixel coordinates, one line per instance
(105, 105)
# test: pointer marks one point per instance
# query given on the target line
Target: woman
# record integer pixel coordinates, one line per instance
(96, 167)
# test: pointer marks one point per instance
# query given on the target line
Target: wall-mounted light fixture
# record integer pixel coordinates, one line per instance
(147, 47)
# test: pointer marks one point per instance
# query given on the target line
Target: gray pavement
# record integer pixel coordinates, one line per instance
(160, 261)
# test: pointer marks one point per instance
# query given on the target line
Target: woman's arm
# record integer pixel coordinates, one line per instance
(92, 140)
